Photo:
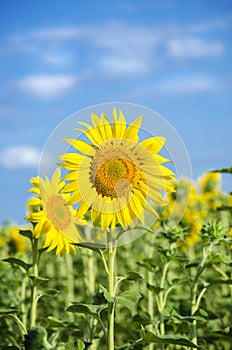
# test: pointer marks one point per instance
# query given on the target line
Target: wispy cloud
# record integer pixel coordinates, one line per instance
(187, 85)
(47, 86)
(113, 49)
(194, 47)
(20, 156)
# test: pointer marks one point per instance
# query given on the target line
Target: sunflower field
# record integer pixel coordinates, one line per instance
(66, 283)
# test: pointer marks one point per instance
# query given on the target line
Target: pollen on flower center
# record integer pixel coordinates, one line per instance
(58, 212)
(115, 177)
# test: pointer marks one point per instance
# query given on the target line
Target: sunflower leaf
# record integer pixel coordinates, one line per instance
(91, 246)
(18, 262)
(80, 308)
(154, 289)
(107, 295)
(223, 170)
(129, 298)
(37, 280)
(26, 233)
(54, 322)
(131, 276)
(7, 311)
(150, 337)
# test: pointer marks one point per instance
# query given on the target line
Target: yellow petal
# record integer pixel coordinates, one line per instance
(132, 130)
(154, 144)
(74, 158)
(80, 145)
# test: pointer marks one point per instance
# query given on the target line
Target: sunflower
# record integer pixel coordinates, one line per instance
(53, 217)
(113, 174)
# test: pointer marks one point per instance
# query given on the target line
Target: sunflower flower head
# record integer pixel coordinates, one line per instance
(52, 216)
(113, 174)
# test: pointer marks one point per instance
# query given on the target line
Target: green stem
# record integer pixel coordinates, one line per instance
(161, 299)
(22, 328)
(111, 289)
(150, 278)
(193, 310)
(23, 299)
(34, 283)
(70, 279)
(194, 301)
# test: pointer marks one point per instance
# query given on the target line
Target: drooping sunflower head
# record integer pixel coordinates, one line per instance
(113, 174)
(52, 215)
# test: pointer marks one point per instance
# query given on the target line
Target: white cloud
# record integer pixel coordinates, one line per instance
(124, 65)
(20, 156)
(47, 86)
(194, 47)
(186, 85)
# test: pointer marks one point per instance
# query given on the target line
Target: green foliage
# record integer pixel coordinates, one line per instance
(168, 295)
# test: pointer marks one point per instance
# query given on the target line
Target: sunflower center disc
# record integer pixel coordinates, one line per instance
(115, 177)
(58, 212)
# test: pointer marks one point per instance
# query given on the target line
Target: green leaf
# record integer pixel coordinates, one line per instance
(132, 276)
(18, 262)
(26, 233)
(188, 319)
(107, 295)
(154, 289)
(36, 339)
(54, 322)
(222, 258)
(178, 259)
(49, 292)
(150, 337)
(224, 207)
(87, 309)
(92, 246)
(129, 298)
(223, 170)
(228, 281)
(37, 280)
(80, 345)
(149, 266)
(7, 311)
(225, 333)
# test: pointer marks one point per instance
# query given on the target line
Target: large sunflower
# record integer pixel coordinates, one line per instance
(52, 215)
(113, 174)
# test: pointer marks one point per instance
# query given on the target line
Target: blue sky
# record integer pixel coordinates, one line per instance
(57, 57)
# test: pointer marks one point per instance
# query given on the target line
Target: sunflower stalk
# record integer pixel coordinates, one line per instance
(34, 299)
(111, 289)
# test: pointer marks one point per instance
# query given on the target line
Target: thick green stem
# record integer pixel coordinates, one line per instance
(193, 310)
(70, 279)
(194, 301)
(34, 283)
(111, 289)
(23, 299)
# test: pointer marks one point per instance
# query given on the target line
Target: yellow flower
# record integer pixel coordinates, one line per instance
(53, 217)
(17, 243)
(209, 182)
(114, 174)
